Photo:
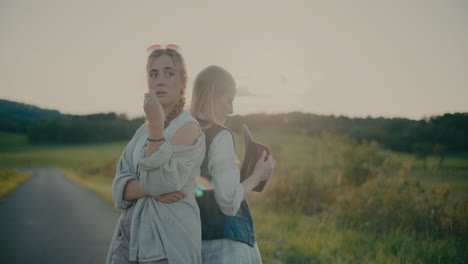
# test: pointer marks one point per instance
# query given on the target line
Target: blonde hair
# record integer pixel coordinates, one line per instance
(179, 63)
(210, 84)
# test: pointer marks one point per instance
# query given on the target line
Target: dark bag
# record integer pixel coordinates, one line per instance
(215, 224)
(253, 151)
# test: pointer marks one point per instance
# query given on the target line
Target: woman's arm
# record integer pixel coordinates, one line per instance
(229, 193)
(263, 170)
(185, 136)
(222, 166)
(133, 191)
(155, 115)
(125, 172)
(154, 132)
(168, 169)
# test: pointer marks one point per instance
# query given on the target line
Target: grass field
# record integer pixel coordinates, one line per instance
(298, 218)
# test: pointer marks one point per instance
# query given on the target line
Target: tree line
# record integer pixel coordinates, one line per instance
(448, 132)
(432, 135)
(95, 128)
(437, 134)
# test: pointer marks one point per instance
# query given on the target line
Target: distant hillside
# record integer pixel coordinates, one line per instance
(14, 116)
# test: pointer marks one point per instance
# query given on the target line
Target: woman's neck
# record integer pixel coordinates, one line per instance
(168, 108)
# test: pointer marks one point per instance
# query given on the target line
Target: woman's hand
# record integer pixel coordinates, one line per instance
(264, 168)
(153, 110)
(263, 171)
(171, 197)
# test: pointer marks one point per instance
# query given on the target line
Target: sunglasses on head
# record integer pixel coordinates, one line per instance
(159, 46)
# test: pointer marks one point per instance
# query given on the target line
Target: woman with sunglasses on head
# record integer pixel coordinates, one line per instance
(154, 182)
(227, 227)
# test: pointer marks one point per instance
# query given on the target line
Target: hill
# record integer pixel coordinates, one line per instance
(14, 116)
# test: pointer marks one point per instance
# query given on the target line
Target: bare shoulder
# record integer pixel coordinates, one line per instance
(186, 135)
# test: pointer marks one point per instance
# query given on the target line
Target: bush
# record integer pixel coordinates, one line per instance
(299, 190)
(364, 187)
(390, 203)
(335, 163)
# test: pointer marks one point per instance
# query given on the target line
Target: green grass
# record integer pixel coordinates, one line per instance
(101, 185)
(456, 160)
(453, 161)
(292, 237)
(457, 179)
(87, 157)
(12, 142)
(90, 165)
(284, 235)
(10, 179)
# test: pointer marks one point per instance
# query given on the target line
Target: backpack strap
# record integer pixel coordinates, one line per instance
(211, 131)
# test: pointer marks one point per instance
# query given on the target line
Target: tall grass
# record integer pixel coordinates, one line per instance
(375, 200)
(292, 237)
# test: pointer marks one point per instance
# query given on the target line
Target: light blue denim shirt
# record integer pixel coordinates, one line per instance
(159, 230)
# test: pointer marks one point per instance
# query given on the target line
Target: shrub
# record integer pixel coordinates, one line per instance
(390, 203)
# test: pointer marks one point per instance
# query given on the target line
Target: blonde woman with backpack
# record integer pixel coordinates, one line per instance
(227, 226)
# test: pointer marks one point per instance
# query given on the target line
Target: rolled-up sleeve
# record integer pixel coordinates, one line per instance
(169, 168)
(223, 167)
(122, 176)
(125, 172)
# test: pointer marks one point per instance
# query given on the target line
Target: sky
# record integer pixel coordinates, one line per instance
(395, 58)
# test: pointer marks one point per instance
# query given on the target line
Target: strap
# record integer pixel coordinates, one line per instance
(210, 130)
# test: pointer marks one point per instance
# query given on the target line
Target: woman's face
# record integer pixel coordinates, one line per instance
(164, 80)
(222, 105)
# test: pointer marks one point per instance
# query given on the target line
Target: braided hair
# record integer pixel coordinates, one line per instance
(182, 72)
(176, 110)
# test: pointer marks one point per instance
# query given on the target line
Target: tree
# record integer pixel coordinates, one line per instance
(422, 150)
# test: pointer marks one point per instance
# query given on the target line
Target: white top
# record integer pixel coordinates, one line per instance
(229, 193)
(223, 166)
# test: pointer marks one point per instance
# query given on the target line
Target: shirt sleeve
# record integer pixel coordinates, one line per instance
(170, 167)
(223, 167)
(124, 174)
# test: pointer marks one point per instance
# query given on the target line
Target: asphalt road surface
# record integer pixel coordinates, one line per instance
(49, 219)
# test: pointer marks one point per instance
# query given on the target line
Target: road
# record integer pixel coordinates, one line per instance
(49, 219)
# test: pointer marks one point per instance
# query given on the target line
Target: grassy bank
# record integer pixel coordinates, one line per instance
(10, 179)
